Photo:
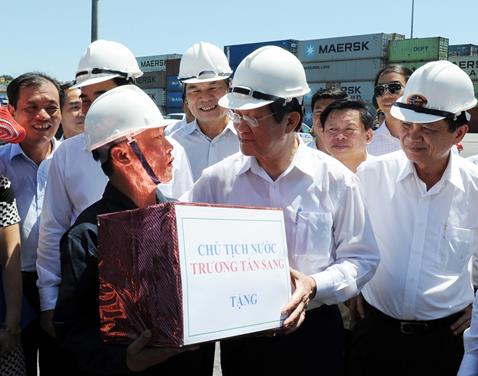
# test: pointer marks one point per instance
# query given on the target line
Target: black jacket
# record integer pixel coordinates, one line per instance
(76, 316)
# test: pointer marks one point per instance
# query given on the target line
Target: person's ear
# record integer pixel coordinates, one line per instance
(120, 155)
(293, 119)
(369, 135)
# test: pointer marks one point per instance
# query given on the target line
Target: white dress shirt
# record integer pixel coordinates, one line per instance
(329, 236)
(175, 126)
(469, 364)
(75, 182)
(201, 150)
(28, 181)
(383, 142)
(426, 238)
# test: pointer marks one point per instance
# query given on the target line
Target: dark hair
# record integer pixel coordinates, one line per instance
(103, 155)
(330, 93)
(392, 68)
(279, 109)
(63, 89)
(460, 120)
(26, 80)
(349, 104)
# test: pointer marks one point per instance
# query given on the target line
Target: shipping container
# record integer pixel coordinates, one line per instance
(418, 49)
(475, 86)
(314, 88)
(367, 46)
(362, 90)
(152, 80)
(236, 52)
(340, 71)
(157, 95)
(174, 99)
(412, 65)
(173, 84)
(155, 62)
(307, 119)
(172, 67)
(468, 63)
(463, 50)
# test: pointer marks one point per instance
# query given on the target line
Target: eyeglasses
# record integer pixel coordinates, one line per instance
(392, 88)
(251, 121)
(334, 132)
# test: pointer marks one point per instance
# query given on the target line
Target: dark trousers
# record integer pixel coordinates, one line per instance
(381, 345)
(316, 348)
(51, 360)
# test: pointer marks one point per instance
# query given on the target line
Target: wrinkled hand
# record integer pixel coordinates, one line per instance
(355, 305)
(46, 322)
(463, 321)
(8, 341)
(139, 357)
(305, 289)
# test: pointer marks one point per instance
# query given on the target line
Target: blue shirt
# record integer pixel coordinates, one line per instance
(29, 182)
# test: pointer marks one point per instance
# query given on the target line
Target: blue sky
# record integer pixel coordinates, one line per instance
(51, 35)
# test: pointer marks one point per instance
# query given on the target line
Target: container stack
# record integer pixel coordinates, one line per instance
(463, 50)
(349, 63)
(413, 53)
(174, 100)
(469, 63)
(153, 81)
(237, 52)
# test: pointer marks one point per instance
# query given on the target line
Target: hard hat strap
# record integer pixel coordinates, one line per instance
(207, 75)
(423, 110)
(100, 70)
(254, 94)
(132, 143)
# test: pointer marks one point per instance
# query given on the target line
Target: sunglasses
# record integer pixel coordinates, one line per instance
(251, 121)
(392, 88)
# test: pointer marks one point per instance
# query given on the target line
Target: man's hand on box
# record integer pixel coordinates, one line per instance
(294, 310)
(139, 357)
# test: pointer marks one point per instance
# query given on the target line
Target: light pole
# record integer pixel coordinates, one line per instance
(94, 20)
(411, 28)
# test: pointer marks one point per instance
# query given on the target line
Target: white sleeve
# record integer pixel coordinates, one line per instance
(55, 220)
(469, 364)
(356, 254)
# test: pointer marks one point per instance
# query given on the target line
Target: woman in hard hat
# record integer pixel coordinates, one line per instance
(12, 361)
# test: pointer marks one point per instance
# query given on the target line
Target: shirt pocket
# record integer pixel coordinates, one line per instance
(313, 238)
(456, 248)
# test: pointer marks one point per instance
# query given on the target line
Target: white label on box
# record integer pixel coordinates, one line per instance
(234, 270)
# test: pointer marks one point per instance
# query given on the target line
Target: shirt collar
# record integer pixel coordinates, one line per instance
(301, 161)
(16, 149)
(451, 173)
(194, 127)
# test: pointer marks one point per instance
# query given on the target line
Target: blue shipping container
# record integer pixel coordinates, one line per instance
(173, 84)
(174, 99)
(236, 52)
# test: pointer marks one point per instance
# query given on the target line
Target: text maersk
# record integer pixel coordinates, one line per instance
(343, 47)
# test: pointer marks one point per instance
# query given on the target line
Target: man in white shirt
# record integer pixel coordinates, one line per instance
(331, 247)
(76, 179)
(34, 102)
(347, 130)
(418, 304)
(204, 72)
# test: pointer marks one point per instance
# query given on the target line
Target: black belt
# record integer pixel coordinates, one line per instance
(410, 326)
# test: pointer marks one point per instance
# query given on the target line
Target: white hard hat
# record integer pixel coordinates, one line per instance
(104, 60)
(120, 112)
(268, 74)
(435, 91)
(203, 62)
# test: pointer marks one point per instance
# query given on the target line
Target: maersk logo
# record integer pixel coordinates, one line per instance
(343, 47)
(310, 50)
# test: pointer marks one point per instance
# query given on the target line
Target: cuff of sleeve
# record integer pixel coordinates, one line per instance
(324, 285)
(48, 297)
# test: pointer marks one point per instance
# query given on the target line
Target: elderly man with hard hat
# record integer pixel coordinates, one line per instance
(124, 130)
(331, 247)
(204, 73)
(418, 304)
(75, 179)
